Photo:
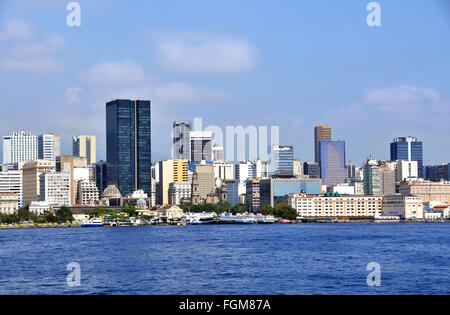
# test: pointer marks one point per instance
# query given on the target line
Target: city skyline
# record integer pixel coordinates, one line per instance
(291, 78)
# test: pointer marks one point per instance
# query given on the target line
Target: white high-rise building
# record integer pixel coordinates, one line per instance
(49, 147)
(55, 188)
(243, 171)
(260, 169)
(223, 170)
(12, 182)
(217, 153)
(88, 193)
(407, 169)
(20, 147)
(179, 192)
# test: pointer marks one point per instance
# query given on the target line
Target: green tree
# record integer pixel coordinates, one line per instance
(129, 210)
(24, 214)
(100, 212)
(240, 208)
(266, 209)
(223, 207)
(63, 214)
(285, 211)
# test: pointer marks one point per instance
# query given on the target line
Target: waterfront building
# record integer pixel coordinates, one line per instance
(276, 190)
(330, 206)
(77, 169)
(312, 169)
(332, 162)
(39, 207)
(9, 203)
(404, 206)
(217, 154)
(171, 171)
(31, 179)
(427, 191)
(56, 188)
(88, 193)
(321, 133)
(11, 181)
(111, 196)
(20, 147)
(49, 147)
(181, 140)
(179, 193)
(128, 144)
(201, 146)
(85, 146)
(283, 160)
(408, 149)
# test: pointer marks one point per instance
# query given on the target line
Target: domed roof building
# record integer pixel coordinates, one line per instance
(111, 192)
(141, 203)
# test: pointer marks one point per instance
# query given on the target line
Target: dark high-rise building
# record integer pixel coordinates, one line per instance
(332, 162)
(181, 140)
(408, 149)
(128, 145)
(312, 169)
(321, 133)
(100, 176)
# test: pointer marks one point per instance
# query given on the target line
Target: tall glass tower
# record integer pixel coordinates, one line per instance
(408, 149)
(332, 162)
(181, 140)
(128, 145)
(284, 160)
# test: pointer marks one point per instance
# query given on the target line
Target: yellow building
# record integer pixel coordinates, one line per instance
(427, 191)
(9, 203)
(171, 171)
(31, 181)
(85, 147)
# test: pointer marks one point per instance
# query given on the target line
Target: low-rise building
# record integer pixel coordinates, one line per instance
(407, 207)
(39, 207)
(335, 206)
(9, 203)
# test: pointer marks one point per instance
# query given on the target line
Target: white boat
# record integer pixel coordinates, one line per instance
(92, 223)
(237, 219)
(265, 219)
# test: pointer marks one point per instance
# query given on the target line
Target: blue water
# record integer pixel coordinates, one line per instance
(261, 259)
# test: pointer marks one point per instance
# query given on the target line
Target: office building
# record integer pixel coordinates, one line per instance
(181, 140)
(217, 154)
(408, 149)
(85, 147)
(11, 181)
(203, 183)
(427, 191)
(128, 145)
(49, 147)
(224, 170)
(31, 179)
(332, 162)
(171, 171)
(283, 161)
(201, 146)
(298, 168)
(179, 193)
(321, 133)
(20, 147)
(437, 173)
(88, 193)
(76, 167)
(55, 188)
(253, 194)
(406, 169)
(312, 169)
(260, 169)
(372, 180)
(100, 175)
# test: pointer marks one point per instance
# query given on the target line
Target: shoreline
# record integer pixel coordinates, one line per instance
(63, 226)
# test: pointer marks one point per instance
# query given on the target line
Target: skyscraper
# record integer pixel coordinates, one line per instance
(284, 160)
(321, 133)
(201, 148)
(128, 145)
(85, 146)
(20, 147)
(408, 149)
(49, 147)
(332, 162)
(181, 140)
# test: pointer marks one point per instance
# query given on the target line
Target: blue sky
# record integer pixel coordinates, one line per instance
(287, 63)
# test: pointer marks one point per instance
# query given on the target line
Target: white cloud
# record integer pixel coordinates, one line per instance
(73, 95)
(27, 51)
(113, 73)
(207, 56)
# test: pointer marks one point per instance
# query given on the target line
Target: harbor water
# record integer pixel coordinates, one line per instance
(228, 259)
